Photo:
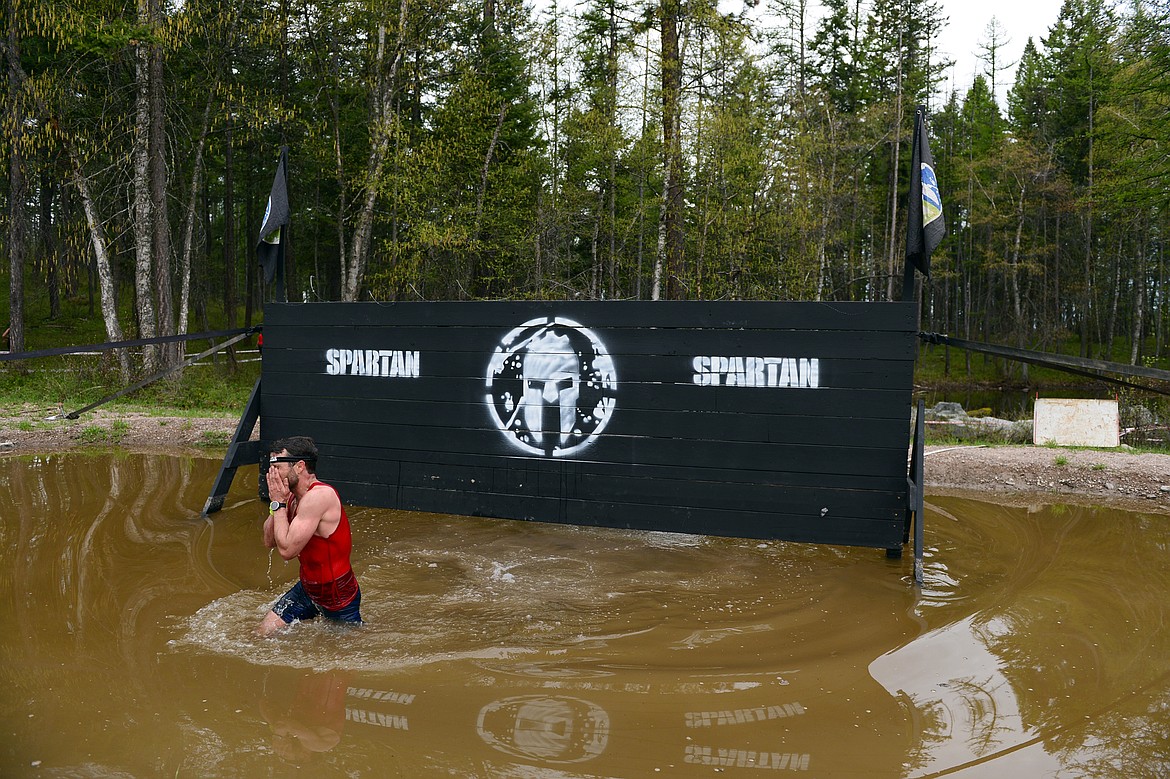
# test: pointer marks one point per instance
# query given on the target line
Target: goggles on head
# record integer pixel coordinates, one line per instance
(291, 459)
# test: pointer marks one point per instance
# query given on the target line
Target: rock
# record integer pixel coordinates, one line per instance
(946, 411)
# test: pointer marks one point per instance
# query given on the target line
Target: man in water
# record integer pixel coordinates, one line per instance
(306, 520)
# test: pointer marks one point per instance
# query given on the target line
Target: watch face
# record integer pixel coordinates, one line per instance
(274, 505)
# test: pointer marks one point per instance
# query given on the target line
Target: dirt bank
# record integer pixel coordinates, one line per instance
(1041, 474)
(1016, 474)
(32, 428)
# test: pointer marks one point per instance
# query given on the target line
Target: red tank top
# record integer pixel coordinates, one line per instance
(325, 568)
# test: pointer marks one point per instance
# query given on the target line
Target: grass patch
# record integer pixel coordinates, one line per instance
(208, 390)
(75, 381)
(1060, 460)
(214, 439)
(96, 434)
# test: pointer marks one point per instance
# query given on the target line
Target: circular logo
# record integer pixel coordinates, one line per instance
(551, 387)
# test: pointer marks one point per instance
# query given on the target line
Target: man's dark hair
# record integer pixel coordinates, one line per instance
(299, 446)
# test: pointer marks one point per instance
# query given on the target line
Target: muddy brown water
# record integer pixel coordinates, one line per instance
(1037, 647)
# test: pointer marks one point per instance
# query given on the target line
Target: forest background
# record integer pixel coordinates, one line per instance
(483, 149)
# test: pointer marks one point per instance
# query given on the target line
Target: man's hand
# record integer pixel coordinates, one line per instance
(277, 487)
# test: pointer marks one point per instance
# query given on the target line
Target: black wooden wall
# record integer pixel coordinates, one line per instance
(751, 419)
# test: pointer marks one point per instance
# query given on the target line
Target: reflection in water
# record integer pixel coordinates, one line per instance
(310, 720)
(966, 718)
(552, 729)
(1036, 646)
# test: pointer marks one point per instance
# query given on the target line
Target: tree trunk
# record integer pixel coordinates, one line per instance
(672, 254)
(474, 281)
(359, 247)
(337, 158)
(1139, 303)
(189, 221)
(1111, 330)
(170, 354)
(660, 252)
(1088, 298)
(1159, 300)
(1017, 304)
(141, 202)
(17, 189)
(102, 261)
(611, 110)
(200, 272)
(230, 298)
(49, 242)
(251, 266)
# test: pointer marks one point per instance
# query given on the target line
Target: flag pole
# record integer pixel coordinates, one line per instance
(913, 201)
(273, 243)
(925, 225)
(281, 273)
(908, 295)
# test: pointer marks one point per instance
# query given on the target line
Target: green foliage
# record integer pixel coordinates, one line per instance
(504, 156)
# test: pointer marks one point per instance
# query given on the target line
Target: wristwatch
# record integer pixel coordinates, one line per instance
(274, 505)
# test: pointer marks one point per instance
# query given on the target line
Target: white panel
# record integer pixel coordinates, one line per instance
(1066, 422)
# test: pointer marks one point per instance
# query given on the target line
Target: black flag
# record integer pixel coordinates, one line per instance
(273, 232)
(925, 225)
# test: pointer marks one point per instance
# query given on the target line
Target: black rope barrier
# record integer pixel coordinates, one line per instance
(1080, 366)
(158, 375)
(164, 339)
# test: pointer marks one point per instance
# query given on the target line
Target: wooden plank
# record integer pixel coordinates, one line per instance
(394, 418)
(837, 530)
(453, 421)
(303, 393)
(359, 464)
(809, 500)
(750, 456)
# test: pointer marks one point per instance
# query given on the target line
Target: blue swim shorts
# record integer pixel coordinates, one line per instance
(296, 604)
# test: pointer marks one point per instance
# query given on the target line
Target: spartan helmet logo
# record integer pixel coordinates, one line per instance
(551, 386)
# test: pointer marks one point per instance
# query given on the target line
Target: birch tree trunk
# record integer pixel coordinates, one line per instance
(672, 239)
(337, 158)
(355, 273)
(1017, 304)
(102, 260)
(189, 221)
(140, 210)
(1139, 304)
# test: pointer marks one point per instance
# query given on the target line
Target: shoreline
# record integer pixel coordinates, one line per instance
(1015, 474)
(1031, 475)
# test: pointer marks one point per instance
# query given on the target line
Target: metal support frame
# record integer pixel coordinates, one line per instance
(241, 451)
(915, 497)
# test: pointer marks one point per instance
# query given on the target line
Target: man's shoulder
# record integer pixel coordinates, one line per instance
(326, 494)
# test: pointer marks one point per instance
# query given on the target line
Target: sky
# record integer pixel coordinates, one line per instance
(1020, 19)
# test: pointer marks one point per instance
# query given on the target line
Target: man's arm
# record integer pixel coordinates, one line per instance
(269, 538)
(290, 537)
